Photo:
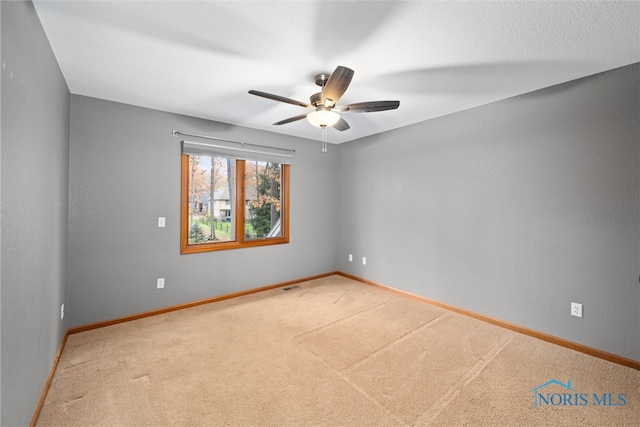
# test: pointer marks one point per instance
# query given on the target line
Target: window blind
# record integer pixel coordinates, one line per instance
(266, 154)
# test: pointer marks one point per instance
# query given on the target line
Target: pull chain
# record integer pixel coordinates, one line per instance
(324, 139)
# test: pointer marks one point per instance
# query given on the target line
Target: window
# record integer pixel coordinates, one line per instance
(230, 202)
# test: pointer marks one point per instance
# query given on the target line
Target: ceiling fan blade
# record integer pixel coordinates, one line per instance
(291, 119)
(336, 86)
(280, 98)
(368, 107)
(341, 125)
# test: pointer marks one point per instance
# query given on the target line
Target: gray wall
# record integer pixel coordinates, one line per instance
(125, 173)
(513, 209)
(35, 175)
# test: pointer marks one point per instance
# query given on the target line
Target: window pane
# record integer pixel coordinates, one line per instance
(231, 204)
(263, 206)
(211, 199)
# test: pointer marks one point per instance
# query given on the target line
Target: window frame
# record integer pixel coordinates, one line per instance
(239, 211)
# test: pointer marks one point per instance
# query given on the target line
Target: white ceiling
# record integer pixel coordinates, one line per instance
(200, 58)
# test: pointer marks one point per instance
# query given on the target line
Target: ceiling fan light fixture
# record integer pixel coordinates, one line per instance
(323, 118)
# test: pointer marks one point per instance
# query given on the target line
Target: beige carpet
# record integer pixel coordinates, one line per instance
(331, 352)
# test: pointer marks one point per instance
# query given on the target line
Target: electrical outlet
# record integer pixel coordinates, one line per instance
(161, 221)
(161, 283)
(350, 258)
(576, 309)
(62, 312)
(364, 260)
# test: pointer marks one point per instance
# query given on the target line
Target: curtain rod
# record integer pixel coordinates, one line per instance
(215, 138)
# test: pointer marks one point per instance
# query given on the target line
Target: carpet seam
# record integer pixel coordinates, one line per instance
(402, 337)
(354, 386)
(343, 318)
(428, 417)
(343, 294)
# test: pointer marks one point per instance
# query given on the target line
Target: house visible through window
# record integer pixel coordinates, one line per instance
(229, 203)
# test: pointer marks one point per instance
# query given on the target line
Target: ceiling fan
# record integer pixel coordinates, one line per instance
(325, 111)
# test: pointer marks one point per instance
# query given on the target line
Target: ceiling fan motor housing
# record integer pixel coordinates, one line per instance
(316, 99)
